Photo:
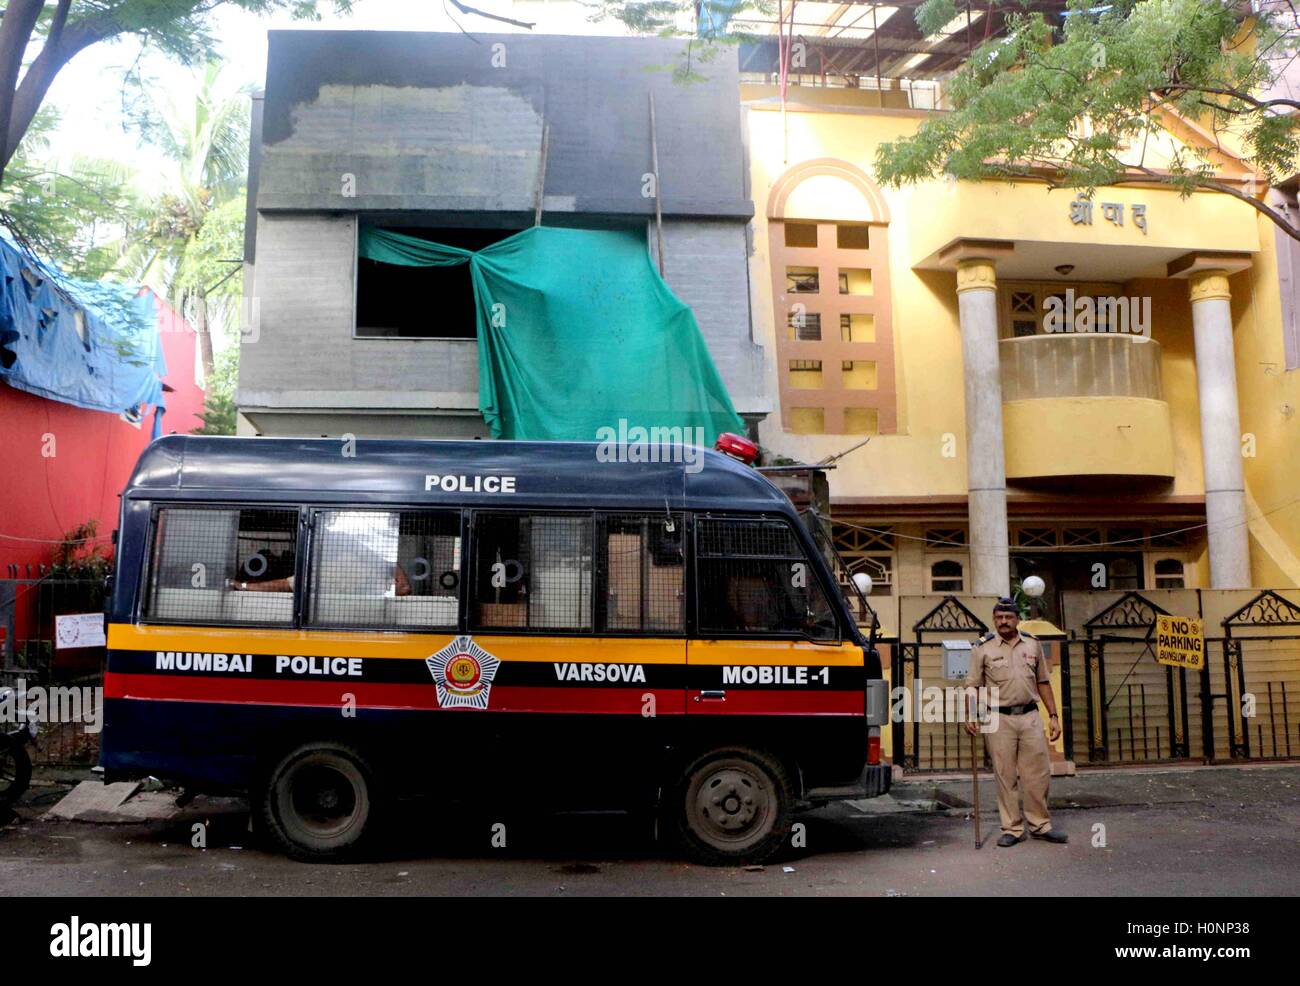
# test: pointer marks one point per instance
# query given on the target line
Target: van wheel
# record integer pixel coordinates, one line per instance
(733, 806)
(319, 802)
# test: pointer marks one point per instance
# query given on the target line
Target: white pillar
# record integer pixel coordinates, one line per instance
(1216, 382)
(985, 464)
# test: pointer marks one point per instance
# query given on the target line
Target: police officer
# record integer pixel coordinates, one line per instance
(1012, 666)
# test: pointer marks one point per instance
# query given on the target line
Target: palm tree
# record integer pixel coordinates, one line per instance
(203, 135)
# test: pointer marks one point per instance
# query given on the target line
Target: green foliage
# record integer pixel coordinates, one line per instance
(81, 216)
(208, 263)
(75, 215)
(932, 15)
(81, 554)
(196, 219)
(714, 25)
(178, 28)
(1081, 107)
(219, 412)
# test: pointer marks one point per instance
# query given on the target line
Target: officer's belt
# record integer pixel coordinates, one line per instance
(1017, 710)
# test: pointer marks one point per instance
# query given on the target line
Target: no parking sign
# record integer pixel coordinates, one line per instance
(1180, 642)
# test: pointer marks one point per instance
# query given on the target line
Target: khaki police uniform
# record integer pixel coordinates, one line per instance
(1017, 746)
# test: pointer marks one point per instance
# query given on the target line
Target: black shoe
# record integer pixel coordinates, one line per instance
(1051, 835)
(1010, 840)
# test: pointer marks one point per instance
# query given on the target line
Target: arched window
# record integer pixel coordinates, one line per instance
(946, 576)
(1169, 574)
(828, 228)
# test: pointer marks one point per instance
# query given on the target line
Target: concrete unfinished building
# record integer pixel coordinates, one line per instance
(442, 136)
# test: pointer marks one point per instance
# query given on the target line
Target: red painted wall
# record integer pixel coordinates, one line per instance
(94, 452)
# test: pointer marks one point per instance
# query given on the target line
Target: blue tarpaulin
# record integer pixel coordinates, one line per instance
(91, 344)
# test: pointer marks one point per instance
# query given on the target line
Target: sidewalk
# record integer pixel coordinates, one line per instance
(1109, 787)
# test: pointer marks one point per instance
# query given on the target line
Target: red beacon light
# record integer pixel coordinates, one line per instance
(738, 447)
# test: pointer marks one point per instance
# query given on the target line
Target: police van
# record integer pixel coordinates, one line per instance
(331, 628)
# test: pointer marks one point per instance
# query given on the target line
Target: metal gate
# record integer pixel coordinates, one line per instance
(1270, 625)
(931, 745)
(1133, 710)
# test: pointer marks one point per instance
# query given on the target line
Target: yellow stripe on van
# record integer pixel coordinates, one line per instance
(418, 646)
(395, 645)
(760, 652)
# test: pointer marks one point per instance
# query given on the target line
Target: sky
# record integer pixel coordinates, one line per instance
(88, 92)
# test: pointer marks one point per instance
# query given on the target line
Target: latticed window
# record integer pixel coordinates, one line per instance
(755, 578)
(802, 280)
(385, 568)
(805, 326)
(1026, 305)
(644, 573)
(866, 549)
(1125, 537)
(1168, 537)
(1079, 537)
(856, 538)
(1036, 537)
(532, 572)
(1024, 313)
(223, 565)
(945, 537)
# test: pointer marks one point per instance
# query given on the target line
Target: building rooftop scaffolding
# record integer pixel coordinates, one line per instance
(850, 42)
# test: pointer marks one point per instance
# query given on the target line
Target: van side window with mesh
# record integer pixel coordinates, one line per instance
(532, 572)
(644, 573)
(223, 566)
(754, 577)
(382, 568)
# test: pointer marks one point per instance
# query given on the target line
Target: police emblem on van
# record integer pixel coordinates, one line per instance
(463, 672)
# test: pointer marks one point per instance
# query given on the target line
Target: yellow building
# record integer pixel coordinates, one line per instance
(1095, 392)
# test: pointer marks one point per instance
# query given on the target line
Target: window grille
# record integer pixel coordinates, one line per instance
(532, 572)
(644, 583)
(223, 565)
(379, 568)
(754, 578)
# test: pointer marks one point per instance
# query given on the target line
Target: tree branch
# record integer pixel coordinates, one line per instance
(1259, 104)
(57, 51)
(466, 9)
(15, 32)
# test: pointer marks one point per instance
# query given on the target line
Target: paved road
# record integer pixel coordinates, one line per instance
(1197, 831)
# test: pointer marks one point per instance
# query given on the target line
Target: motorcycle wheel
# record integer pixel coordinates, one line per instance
(15, 771)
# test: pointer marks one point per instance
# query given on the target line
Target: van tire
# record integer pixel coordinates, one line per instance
(733, 806)
(319, 802)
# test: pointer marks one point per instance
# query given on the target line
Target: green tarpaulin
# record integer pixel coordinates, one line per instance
(577, 332)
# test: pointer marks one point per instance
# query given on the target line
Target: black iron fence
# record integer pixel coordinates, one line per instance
(1243, 703)
(62, 687)
(1119, 705)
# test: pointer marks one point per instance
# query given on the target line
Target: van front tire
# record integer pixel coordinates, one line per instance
(733, 806)
(319, 802)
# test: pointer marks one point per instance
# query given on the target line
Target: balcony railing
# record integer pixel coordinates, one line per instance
(1080, 365)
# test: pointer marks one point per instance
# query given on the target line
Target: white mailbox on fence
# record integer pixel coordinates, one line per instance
(956, 659)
